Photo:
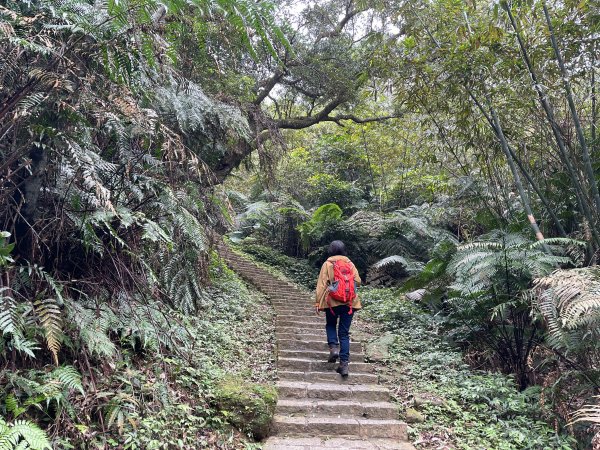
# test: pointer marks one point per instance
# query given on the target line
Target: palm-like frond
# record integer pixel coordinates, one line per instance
(588, 413)
(50, 317)
(22, 435)
(569, 301)
(411, 267)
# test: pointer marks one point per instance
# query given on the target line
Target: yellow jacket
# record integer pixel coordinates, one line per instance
(325, 276)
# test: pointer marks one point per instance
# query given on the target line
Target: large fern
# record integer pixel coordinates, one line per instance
(22, 435)
(13, 325)
(569, 301)
(486, 303)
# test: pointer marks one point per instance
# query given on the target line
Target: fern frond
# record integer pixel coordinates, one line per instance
(587, 413)
(22, 434)
(50, 317)
(69, 377)
(569, 300)
(411, 267)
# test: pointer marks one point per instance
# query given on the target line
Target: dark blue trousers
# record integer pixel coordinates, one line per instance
(338, 329)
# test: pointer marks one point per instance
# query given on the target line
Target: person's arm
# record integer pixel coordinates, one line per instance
(321, 286)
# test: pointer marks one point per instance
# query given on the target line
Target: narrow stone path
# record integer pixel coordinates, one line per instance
(317, 408)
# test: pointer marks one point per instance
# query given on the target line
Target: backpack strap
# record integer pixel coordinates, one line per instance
(330, 281)
(330, 273)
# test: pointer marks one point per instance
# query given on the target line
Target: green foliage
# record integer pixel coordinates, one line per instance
(320, 225)
(15, 333)
(569, 302)
(326, 188)
(50, 393)
(22, 435)
(5, 249)
(471, 408)
(410, 267)
(273, 222)
(486, 301)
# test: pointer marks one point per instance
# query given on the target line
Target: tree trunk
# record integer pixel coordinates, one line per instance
(511, 164)
(565, 156)
(587, 162)
(525, 173)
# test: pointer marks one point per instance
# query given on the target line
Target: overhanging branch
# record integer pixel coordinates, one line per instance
(298, 123)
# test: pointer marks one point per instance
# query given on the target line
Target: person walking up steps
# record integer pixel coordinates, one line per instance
(336, 295)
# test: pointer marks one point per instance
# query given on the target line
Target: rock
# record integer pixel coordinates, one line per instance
(378, 350)
(360, 336)
(413, 416)
(416, 296)
(247, 406)
(421, 400)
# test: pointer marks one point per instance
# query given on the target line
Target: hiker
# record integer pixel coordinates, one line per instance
(336, 295)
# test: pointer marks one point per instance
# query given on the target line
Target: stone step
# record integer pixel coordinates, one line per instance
(310, 320)
(338, 427)
(307, 334)
(316, 355)
(315, 401)
(337, 408)
(312, 325)
(321, 344)
(306, 309)
(332, 391)
(308, 365)
(327, 377)
(292, 307)
(334, 443)
(304, 314)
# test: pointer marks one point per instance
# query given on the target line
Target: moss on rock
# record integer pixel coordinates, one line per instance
(247, 406)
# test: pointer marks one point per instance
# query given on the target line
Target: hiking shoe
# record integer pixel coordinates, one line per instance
(334, 353)
(343, 369)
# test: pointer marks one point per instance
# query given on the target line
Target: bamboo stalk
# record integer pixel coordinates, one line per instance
(587, 162)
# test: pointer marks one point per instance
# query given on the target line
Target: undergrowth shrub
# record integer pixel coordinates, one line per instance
(486, 307)
(480, 409)
(146, 375)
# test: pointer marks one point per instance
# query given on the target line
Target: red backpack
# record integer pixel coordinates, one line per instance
(342, 288)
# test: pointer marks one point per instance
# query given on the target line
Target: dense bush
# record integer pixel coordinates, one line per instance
(161, 369)
(472, 409)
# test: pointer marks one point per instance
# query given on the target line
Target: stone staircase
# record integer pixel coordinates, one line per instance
(316, 407)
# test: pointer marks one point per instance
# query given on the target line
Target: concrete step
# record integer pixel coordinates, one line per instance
(308, 365)
(337, 408)
(327, 377)
(307, 334)
(301, 310)
(338, 427)
(312, 325)
(332, 391)
(304, 314)
(305, 318)
(316, 355)
(309, 320)
(320, 344)
(334, 443)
